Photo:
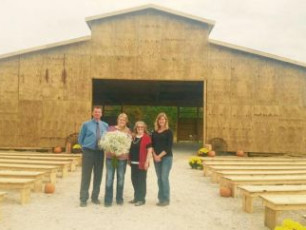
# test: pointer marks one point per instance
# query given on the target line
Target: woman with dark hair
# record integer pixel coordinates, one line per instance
(162, 140)
(139, 159)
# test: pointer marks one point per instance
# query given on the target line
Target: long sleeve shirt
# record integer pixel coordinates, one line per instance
(162, 142)
(88, 136)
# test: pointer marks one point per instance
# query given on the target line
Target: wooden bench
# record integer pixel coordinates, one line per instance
(23, 185)
(64, 166)
(19, 167)
(207, 165)
(78, 157)
(253, 159)
(274, 204)
(208, 169)
(38, 149)
(2, 194)
(250, 192)
(233, 182)
(216, 175)
(74, 162)
(38, 176)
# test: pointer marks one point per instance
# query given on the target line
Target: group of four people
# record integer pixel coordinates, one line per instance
(143, 146)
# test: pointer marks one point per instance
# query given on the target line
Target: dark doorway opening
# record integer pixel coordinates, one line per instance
(144, 99)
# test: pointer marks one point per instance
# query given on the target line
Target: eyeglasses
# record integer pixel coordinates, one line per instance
(142, 127)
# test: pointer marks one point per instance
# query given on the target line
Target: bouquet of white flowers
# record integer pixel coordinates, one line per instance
(116, 142)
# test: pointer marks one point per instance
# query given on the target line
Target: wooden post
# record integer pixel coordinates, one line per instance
(25, 195)
(247, 202)
(270, 217)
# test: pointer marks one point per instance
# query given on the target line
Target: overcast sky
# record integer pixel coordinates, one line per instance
(274, 26)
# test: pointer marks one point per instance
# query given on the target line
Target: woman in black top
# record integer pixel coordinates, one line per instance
(162, 140)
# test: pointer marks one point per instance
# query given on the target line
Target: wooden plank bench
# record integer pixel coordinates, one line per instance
(21, 184)
(19, 167)
(250, 192)
(64, 166)
(74, 161)
(208, 169)
(216, 175)
(38, 176)
(274, 204)
(78, 157)
(2, 194)
(253, 159)
(38, 149)
(206, 165)
(233, 182)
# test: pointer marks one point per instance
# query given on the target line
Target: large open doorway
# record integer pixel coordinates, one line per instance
(144, 99)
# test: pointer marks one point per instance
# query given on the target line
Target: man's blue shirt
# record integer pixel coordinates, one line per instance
(87, 136)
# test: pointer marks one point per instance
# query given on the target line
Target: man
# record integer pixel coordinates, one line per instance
(93, 157)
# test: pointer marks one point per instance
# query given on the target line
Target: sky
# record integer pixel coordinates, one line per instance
(274, 26)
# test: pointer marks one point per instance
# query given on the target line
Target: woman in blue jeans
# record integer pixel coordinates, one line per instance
(162, 140)
(120, 167)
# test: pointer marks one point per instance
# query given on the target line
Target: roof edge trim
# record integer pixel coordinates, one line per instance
(149, 6)
(44, 47)
(256, 52)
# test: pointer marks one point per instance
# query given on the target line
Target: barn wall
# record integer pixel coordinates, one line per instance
(252, 102)
(255, 103)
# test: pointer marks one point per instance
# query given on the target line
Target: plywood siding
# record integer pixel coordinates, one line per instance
(252, 102)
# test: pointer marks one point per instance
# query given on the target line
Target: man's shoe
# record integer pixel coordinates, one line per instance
(120, 202)
(132, 201)
(83, 204)
(163, 203)
(107, 205)
(139, 203)
(96, 201)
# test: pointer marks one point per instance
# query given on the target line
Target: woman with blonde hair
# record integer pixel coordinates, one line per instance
(120, 167)
(139, 158)
(162, 140)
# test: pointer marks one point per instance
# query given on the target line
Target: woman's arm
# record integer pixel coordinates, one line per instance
(149, 154)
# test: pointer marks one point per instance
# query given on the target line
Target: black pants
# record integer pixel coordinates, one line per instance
(139, 181)
(93, 161)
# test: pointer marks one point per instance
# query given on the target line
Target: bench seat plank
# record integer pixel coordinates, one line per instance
(21, 184)
(251, 167)
(234, 181)
(215, 177)
(274, 204)
(250, 192)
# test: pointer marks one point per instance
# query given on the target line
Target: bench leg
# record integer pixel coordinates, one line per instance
(213, 178)
(64, 172)
(25, 195)
(234, 190)
(270, 217)
(38, 186)
(0, 208)
(72, 167)
(53, 177)
(247, 203)
(205, 171)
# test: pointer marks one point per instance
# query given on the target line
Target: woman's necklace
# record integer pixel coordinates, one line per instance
(137, 139)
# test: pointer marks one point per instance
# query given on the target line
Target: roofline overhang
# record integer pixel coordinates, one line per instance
(256, 52)
(45, 47)
(210, 23)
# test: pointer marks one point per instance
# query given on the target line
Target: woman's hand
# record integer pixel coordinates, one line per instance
(147, 165)
(157, 158)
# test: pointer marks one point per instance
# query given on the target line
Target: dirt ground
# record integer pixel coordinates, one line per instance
(195, 204)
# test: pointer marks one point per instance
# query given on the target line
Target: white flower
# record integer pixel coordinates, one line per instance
(116, 142)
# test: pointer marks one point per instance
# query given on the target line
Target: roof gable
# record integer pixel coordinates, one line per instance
(208, 22)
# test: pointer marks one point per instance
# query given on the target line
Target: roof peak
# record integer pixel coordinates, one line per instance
(211, 23)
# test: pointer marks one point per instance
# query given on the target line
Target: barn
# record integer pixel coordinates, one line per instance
(154, 56)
